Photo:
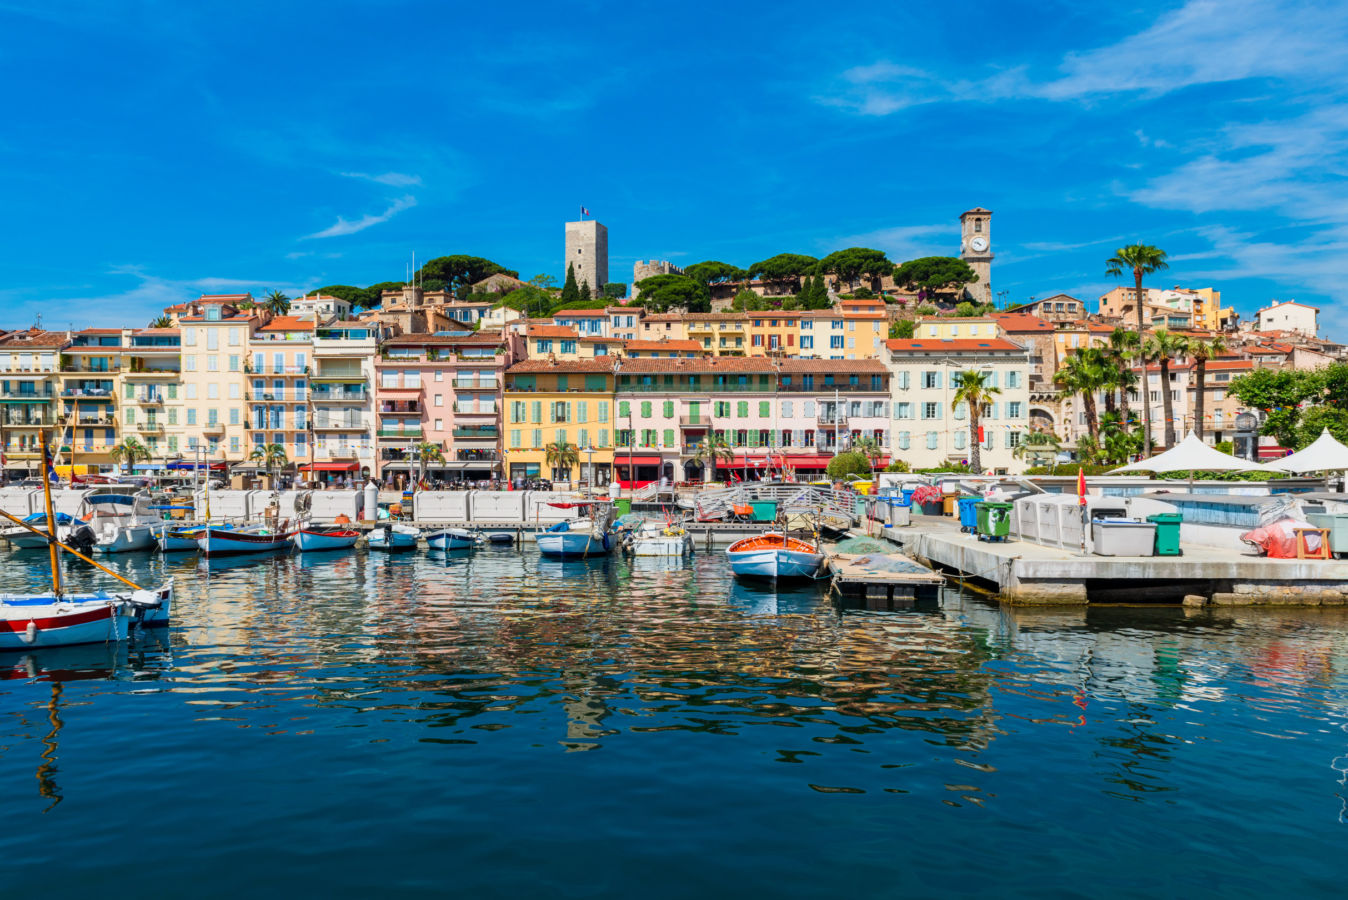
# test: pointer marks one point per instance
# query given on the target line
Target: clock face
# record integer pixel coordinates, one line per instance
(979, 244)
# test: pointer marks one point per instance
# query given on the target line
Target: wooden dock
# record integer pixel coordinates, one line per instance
(883, 580)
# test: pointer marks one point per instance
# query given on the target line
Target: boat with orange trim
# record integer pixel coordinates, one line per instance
(774, 555)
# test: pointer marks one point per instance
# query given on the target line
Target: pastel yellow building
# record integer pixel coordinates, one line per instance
(215, 343)
(29, 395)
(554, 402)
(277, 372)
(149, 390)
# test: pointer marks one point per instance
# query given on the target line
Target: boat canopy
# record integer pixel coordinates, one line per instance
(113, 499)
(61, 518)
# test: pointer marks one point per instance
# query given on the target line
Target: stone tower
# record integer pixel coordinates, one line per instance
(976, 250)
(587, 250)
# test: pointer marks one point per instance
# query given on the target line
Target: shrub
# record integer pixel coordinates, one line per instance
(898, 465)
(849, 463)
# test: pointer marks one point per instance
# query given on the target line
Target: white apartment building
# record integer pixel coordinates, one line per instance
(929, 429)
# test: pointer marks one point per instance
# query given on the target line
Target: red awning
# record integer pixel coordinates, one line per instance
(622, 459)
(329, 467)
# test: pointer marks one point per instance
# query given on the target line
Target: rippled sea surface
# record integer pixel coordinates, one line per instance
(503, 725)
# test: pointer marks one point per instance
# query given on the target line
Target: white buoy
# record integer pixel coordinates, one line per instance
(30, 633)
(371, 501)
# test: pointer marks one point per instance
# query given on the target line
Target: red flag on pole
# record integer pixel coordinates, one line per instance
(1081, 486)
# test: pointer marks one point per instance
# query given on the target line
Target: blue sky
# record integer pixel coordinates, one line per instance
(150, 152)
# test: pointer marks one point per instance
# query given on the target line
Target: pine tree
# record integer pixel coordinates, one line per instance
(816, 293)
(585, 291)
(570, 292)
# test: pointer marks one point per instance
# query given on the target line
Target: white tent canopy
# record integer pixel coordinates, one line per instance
(1325, 455)
(1192, 454)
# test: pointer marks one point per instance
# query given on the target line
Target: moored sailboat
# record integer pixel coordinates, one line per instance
(312, 539)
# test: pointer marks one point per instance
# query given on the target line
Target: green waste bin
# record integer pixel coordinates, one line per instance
(623, 506)
(764, 510)
(994, 521)
(1167, 533)
(1337, 524)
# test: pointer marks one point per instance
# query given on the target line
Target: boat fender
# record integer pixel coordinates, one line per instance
(30, 633)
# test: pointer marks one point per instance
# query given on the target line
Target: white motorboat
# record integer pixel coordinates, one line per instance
(394, 537)
(655, 539)
(775, 555)
(69, 530)
(122, 522)
(454, 539)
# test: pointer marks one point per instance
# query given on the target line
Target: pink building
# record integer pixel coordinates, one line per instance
(444, 390)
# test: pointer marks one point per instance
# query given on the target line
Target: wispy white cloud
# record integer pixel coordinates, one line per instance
(347, 226)
(900, 243)
(1202, 42)
(392, 179)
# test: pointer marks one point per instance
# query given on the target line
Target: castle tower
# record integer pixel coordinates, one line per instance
(587, 250)
(976, 250)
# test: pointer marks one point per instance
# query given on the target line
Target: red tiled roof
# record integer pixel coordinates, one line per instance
(797, 364)
(580, 312)
(100, 331)
(596, 364)
(156, 331)
(1022, 323)
(740, 364)
(290, 323)
(552, 331)
(960, 345)
(420, 340)
(34, 338)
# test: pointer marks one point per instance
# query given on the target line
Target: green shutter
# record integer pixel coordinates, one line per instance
(582, 412)
(645, 409)
(536, 412)
(669, 409)
(562, 382)
(743, 409)
(624, 409)
(131, 392)
(669, 437)
(173, 392)
(603, 410)
(764, 408)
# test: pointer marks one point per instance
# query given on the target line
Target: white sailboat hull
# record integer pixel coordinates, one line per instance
(125, 539)
(25, 624)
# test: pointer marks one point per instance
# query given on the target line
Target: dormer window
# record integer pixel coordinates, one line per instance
(212, 314)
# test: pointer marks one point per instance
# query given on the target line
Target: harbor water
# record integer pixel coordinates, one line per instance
(498, 724)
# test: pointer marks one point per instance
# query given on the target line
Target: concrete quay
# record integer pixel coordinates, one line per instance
(1029, 574)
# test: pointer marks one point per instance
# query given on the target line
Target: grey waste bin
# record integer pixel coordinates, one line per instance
(1123, 537)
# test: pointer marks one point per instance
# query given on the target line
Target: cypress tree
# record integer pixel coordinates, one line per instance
(585, 292)
(570, 293)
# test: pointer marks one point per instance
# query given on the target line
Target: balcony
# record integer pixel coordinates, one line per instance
(477, 456)
(282, 396)
(30, 396)
(339, 425)
(85, 421)
(400, 407)
(476, 384)
(153, 427)
(275, 370)
(694, 421)
(477, 432)
(694, 388)
(213, 427)
(150, 399)
(472, 409)
(102, 394)
(348, 396)
(406, 431)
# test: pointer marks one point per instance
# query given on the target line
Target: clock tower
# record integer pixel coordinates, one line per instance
(976, 250)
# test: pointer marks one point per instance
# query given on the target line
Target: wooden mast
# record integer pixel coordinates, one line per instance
(53, 547)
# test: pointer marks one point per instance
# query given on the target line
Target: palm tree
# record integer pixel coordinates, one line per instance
(427, 452)
(709, 451)
(161, 322)
(277, 303)
(128, 451)
(1142, 259)
(1163, 346)
(1116, 444)
(1118, 354)
(1083, 373)
(975, 391)
(269, 455)
(1202, 351)
(869, 447)
(1038, 445)
(561, 456)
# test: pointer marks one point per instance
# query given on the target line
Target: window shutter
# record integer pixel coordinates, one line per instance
(960, 441)
(645, 409)
(764, 408)
(624, 409)
(905, 440)
(669, 437)
(669, 409)
(932, 438)
(961, 410)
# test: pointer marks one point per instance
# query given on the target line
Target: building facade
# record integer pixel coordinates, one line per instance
(929, 429)
(1290, 316)
(563, 402)
(29, 395)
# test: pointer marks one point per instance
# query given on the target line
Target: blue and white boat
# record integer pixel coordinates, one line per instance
(394, 537)
(453, 539)
(316, 539)
(215, 542)
(122, 522)
(69, 530)
(774, 555)
(580, 538)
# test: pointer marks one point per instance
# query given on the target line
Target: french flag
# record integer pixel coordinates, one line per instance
(584, 212)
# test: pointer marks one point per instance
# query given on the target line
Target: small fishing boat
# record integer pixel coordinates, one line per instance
(69, 530)
(453, 539)
(175, 539)
(314, 539)
(394, 537)
(774, 555)
(592, 536)
(121, 523)
(216, 541)
(655, 539)
(60, 619)
(500, 538)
